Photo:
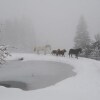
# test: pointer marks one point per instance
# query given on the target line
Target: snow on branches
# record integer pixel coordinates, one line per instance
(3, 53)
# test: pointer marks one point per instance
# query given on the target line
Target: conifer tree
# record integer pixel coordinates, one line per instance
(82, 39)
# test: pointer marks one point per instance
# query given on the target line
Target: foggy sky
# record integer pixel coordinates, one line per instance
(54, 21)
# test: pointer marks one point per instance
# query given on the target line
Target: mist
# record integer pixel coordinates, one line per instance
(41, 22)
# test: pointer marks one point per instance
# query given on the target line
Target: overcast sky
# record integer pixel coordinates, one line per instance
(54, 21)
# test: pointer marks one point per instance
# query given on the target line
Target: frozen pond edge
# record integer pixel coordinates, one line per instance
(43, 82)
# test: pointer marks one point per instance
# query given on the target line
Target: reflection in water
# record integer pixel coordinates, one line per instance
(31, 75)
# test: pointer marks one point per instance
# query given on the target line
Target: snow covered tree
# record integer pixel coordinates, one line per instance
(96, 48)
(82, 38)
(97, 37)
(3, 53)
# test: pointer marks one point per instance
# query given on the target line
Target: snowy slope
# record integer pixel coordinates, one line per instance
(84, 86)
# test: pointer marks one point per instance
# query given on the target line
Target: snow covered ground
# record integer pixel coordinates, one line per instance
(31, 75)
(83, 86)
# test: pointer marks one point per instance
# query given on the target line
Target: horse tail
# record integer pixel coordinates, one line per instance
(69, 53)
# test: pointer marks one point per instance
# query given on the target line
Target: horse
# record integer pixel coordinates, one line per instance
(45, 49)
(62, 52)
(38, 49)
(76, 52)
(48, 48)
(58, 52)
(55, 52)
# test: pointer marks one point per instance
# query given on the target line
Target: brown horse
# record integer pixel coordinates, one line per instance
(55, 52)
(58, 52)
(62, 52)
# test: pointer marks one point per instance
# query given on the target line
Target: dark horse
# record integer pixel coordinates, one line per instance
(75, 52)
(61, 52)
(58, 52)
(55, 52)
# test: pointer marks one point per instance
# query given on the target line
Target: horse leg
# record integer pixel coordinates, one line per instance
(69, 55)
(57, 54)
(63, 54)
(77, 56)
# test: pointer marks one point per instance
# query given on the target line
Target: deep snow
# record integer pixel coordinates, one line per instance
(83, 86)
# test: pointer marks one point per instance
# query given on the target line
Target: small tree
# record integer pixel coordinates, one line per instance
(97, 37)
(96, 46)
(96, 49)
(3, 53)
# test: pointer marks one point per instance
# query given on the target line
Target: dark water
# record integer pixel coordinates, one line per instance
(31, 75)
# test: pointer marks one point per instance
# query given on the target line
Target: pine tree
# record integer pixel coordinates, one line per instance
(82, 39)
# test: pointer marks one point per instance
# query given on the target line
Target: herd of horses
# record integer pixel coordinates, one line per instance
(58, 52)
(72, 52)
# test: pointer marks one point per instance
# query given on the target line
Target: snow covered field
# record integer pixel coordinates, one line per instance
(85, 85)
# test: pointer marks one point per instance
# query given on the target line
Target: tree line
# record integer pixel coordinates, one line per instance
(91, 48)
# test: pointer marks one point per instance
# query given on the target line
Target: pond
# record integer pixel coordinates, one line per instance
(31, 75)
